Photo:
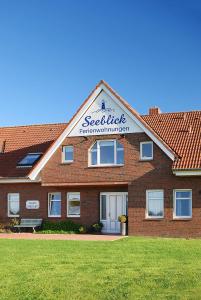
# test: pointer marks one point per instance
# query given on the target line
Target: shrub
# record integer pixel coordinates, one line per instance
(67, 226)
(82, 229)
(54, 232)
(14, 222)
(97, 227)
(4, 229)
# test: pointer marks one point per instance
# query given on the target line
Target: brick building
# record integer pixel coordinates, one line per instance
(107, 161)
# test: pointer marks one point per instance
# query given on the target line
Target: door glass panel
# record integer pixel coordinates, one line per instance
(113, 210)
(126, 204)
(103, 207)
(119, 205)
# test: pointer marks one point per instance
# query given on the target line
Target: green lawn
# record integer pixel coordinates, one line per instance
(131, 268)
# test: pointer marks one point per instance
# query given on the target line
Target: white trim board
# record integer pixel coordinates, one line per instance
(18, 180)
(42, 162)
(187, 173)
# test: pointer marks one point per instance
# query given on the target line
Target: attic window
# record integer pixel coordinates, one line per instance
(29, 160)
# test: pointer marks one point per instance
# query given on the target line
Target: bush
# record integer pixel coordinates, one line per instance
(54, 232)
(4, 229)
(65, 226)
(97, 227)
(82, 229)
(14, 221)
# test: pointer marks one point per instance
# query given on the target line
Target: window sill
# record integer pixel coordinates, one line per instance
(14, 216)
(146, 159)
(154, 219)
(54, 216)
(70, 216)
(66, 162)
(182, 219)
(23, 167)
(105, 166)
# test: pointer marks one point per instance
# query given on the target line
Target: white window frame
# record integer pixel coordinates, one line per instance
(98, 154)
(175, 217)
(8, 200)
(152, 148)
(73, 193)
(147, 205)
(48, 202)
(63, 154)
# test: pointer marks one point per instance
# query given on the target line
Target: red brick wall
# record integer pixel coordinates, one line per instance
(90, 204)
(162, 179)
(78, 171)
(141, 175)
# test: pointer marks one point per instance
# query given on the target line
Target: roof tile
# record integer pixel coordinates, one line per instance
(182, 132)
(20, 140)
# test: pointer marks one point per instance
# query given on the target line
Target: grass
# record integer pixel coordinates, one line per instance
(131, 268)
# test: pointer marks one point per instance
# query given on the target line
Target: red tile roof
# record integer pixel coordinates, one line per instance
(21, 140)
(182, 132)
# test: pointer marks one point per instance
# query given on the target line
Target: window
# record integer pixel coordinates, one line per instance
(13, 205)
(67, 154)
(146, 150)
(73, 204)
(104, 153)
(29, 160)
(154, 204)
(54, 205)
(182, 204)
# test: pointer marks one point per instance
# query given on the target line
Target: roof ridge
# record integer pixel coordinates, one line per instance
(30, 125)
(175, 112)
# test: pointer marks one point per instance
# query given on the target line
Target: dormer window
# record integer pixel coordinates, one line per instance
(106, 153)
(29, 160)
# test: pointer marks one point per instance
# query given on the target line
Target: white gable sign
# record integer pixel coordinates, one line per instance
(103, 117)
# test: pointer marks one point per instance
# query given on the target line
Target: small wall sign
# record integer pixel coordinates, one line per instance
(32, 204)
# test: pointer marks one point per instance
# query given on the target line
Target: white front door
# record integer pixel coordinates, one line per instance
(112, 205)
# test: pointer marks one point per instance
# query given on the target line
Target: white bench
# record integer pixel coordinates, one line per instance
(29, 223)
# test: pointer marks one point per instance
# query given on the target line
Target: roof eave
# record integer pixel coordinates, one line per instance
(187, 172)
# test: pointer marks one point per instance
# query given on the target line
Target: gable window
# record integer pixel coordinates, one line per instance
(13, 204)
(29, 160)
(146, 150)
(154, 204)
(73, 204)
(54, 205)
(67, 154)
(106, 152)
(182, 204)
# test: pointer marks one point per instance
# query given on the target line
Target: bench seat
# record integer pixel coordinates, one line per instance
(29, 223)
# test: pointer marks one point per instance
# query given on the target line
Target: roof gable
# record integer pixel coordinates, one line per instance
(104, 116)
(92, 102)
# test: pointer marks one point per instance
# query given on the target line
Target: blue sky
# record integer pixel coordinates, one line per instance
(53, 53)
